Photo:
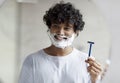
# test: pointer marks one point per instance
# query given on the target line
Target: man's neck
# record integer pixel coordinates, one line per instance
(55, 51)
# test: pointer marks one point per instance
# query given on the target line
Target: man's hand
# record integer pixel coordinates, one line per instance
(94, 69)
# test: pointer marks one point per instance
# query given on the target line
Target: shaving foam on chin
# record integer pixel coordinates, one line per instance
(62, 43)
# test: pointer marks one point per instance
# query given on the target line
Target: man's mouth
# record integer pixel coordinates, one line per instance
(60, 38)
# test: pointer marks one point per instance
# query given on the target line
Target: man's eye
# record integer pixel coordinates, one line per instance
(55, 26)
(67, 28)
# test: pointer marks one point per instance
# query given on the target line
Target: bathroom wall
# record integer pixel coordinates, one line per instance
(8, 26)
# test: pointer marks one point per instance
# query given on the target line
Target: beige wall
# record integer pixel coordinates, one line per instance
(111, 8)
(8, 25)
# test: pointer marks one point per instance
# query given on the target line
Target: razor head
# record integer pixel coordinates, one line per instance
(90, 42)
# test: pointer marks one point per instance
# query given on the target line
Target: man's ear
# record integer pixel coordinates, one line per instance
(48, 30)
(77, 32)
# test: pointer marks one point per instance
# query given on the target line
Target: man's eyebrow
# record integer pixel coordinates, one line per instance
(54, 24)
(69, 25)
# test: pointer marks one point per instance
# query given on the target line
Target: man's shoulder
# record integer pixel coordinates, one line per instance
(34, 55)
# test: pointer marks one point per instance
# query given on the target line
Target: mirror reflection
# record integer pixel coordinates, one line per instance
(31, 31)
(95, 29)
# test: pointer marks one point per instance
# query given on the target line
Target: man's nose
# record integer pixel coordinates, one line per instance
(61, 31)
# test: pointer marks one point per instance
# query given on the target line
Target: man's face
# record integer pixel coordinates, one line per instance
(62, 30)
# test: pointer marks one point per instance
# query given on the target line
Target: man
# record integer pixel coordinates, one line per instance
(61, 62)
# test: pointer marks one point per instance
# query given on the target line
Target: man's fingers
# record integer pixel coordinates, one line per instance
(94, 69)
(93, 63)
(93, 73)
(93, 60)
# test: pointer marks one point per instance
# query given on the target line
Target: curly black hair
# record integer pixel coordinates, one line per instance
(62, 13)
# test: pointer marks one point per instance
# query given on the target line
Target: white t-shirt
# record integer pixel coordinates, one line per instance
(40, 67)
